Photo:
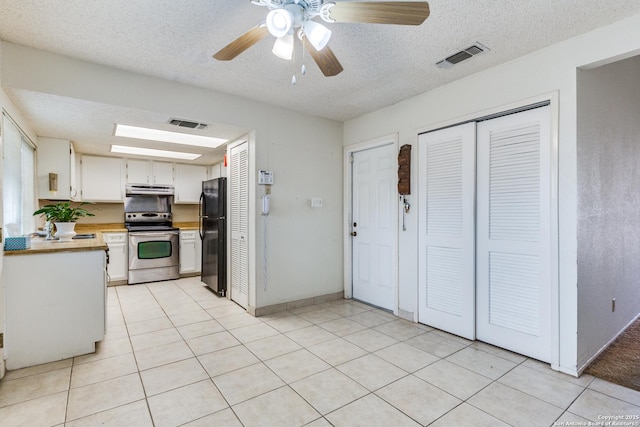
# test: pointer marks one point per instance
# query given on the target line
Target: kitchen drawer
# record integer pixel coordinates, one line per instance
(115, 237)
(188, 235)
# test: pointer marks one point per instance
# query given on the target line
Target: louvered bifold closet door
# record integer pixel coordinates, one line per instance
(513, 232)
(446, 292)
(239, 198)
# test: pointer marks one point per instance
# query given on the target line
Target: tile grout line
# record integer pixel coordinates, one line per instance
(185, 289)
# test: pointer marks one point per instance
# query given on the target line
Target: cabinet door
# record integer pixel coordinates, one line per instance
(189, 182)
(73, 180)
(188, 261)
(138, 171)
(219, 170)
(198, 253)
(118, 260)
(78, 180)
(162, 173)
(102, 179)
(54, 156)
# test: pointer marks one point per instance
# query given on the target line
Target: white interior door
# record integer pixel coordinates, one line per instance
(239, 223)
(513, 232)
(374, 226)
(446, 292)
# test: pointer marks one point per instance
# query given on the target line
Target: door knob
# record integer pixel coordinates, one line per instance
(354, 233)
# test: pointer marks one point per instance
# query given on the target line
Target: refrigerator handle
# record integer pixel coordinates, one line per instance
(200, 217)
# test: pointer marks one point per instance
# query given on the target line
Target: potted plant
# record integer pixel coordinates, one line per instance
(64, 217)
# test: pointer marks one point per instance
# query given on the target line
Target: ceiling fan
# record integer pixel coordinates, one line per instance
(289, 17)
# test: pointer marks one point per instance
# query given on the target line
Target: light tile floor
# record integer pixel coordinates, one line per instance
(175, 354)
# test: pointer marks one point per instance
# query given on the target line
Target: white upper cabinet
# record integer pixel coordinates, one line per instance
(149, 172)
(162, 173)
(138, 171)
(103, 179)
(217, 171)
(189, 183)
(56, 156)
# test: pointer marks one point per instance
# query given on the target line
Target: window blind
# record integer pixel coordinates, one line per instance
(18, 177)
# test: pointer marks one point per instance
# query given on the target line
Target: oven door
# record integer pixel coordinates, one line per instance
(153, 249)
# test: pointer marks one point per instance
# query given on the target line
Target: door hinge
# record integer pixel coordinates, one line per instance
(1, 341)
(351, 157)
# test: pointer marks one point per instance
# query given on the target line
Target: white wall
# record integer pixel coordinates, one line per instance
(549, 70)
(608, 201)
(304, 152)
(304, 244)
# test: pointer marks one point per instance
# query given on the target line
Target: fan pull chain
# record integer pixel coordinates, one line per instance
(303, 69)
(294, 79)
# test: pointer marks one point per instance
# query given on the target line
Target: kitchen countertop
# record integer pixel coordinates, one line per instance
(41, 246)
(104, 228)
(186, 225)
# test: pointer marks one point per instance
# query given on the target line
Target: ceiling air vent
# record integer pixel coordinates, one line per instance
(463, 55)
(187, 124)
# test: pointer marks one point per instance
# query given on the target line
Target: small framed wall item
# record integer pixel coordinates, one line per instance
(404, 170)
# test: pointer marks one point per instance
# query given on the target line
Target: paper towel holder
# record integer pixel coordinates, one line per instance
(53, 181)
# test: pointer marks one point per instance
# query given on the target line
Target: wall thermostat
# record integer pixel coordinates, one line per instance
(265, 177)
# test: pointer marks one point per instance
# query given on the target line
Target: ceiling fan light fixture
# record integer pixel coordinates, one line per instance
(283, 47)
(279, 22)
(317, 34)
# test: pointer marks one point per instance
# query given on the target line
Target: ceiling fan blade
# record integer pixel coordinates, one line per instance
(242, 43)
(381, 12)
(326, 60)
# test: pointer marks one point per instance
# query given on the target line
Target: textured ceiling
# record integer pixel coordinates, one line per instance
(383, 64)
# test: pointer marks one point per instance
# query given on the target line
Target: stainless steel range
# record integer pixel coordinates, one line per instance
(154, 244)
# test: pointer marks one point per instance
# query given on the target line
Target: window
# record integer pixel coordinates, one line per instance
(18, 178)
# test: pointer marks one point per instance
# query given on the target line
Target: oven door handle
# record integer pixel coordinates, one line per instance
(153, 233)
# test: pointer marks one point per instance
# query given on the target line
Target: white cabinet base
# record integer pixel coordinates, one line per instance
(190, 253)
(118, 267)
(55, 306)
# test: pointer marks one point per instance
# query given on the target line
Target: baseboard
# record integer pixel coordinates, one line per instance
(117, 283)
(195, 273)
(406, 315)
(292, 305)
(603, 348)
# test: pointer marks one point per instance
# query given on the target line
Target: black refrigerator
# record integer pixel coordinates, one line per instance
(213, 232)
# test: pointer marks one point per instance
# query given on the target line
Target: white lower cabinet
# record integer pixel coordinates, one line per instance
(118, 267)
(190, 252)
(55, 306)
